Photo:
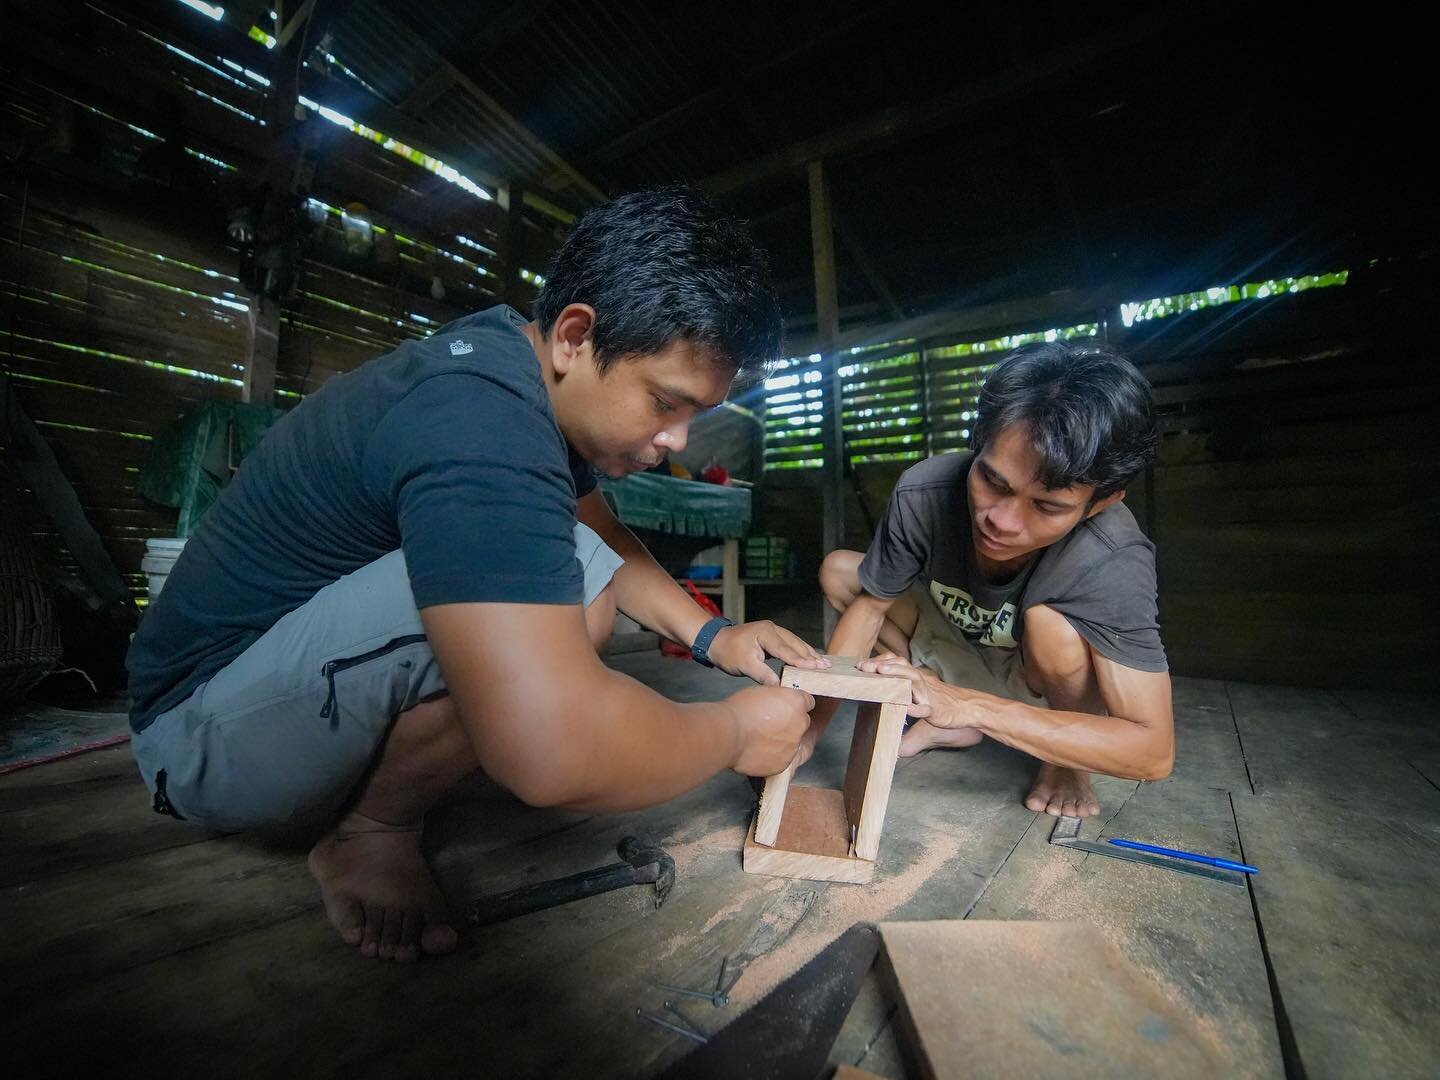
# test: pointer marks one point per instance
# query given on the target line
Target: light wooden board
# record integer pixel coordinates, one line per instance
(844, 680)
(870, 772)
(771, 810)
(1007, 999)
(813, 842)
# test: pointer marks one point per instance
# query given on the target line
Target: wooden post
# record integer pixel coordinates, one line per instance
(926, 427)
(512, 198)
(732, 593)
(262, 347)
(827, 331)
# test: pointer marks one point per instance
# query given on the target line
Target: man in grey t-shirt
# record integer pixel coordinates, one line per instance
(1013, 586)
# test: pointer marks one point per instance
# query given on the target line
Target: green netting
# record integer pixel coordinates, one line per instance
(686, 507)
(193, 459)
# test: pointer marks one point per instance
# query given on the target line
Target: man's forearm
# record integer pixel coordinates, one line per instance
(1093, 743)
(858, 628)
(628, 747)
(650, 596)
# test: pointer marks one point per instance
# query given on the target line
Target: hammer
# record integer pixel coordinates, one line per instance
(644, 864)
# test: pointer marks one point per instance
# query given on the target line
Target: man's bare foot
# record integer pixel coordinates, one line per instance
(378, 892)
(924, 735)
(1062, 792)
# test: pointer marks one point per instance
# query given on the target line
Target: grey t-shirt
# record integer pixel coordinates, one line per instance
(1100, 575)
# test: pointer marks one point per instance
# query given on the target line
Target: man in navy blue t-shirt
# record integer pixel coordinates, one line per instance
(407, 580)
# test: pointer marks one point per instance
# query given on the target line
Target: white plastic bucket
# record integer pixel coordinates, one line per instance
(159, 558)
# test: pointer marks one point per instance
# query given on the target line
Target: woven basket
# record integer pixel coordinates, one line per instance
(29, 634)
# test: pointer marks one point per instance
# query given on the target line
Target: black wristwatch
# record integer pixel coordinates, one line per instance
(700, 651)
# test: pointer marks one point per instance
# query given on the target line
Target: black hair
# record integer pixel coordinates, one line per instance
(665, 265)
(1090, 413)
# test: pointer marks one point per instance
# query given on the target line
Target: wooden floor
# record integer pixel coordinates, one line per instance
(131, 943)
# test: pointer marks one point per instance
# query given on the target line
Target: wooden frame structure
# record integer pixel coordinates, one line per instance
(828, 834)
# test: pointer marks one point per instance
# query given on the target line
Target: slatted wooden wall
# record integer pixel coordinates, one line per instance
(121, 304)
(1296, 504)
(116, 326)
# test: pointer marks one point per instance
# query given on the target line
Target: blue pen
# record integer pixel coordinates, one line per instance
(1189, 856)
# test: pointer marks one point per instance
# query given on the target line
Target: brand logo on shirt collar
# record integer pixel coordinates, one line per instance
(460, 348)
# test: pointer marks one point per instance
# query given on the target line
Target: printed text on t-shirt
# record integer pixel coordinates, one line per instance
(980, 625)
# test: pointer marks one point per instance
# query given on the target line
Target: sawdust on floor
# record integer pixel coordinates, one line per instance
(841, 907)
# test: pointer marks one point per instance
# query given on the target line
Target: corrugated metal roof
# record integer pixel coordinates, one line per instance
(409, 73)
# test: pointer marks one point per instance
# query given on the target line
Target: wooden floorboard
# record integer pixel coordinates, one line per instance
(1346, 900)
(1300, 741)
(1207, 745)
(202, 954)
(1345, 826)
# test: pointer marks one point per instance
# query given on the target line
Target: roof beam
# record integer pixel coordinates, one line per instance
(907, 121)
(944, 327)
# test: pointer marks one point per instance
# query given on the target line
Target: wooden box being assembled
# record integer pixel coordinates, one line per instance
(828, 834)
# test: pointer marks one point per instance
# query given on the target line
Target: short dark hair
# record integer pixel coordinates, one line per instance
(665, 265)
(1090, 412)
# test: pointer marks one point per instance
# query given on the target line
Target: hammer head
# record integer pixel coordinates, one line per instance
(649, 860)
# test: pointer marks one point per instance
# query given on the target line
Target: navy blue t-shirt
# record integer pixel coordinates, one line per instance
(446, 448)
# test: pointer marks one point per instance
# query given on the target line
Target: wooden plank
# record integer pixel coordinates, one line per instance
(843, 680)
(1312, 503)
(871, 770)
(1282, 653)
(1348, 469)
(813, 841)
(771, 810)
(1207, 746)
(1196, 938)
(1317, 539)
(732, 591)
(99, 824)
(973, 1001)
(262, 343)
(1182, 570)
(1346, 897)
(38, 470)
(827, 330)
(1301, 740)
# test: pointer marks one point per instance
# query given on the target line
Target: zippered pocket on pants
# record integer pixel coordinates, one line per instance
(331, 668)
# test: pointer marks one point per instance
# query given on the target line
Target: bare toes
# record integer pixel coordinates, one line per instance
(350, 921)
(438, 938)
(374, 927)
(390, 933)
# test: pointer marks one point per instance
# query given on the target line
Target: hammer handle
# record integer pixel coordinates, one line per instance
(548, 894)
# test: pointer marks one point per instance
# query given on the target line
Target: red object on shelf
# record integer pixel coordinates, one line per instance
(674, 648)
(715, 473)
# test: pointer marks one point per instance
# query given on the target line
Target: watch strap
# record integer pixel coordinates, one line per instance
(700, 651)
